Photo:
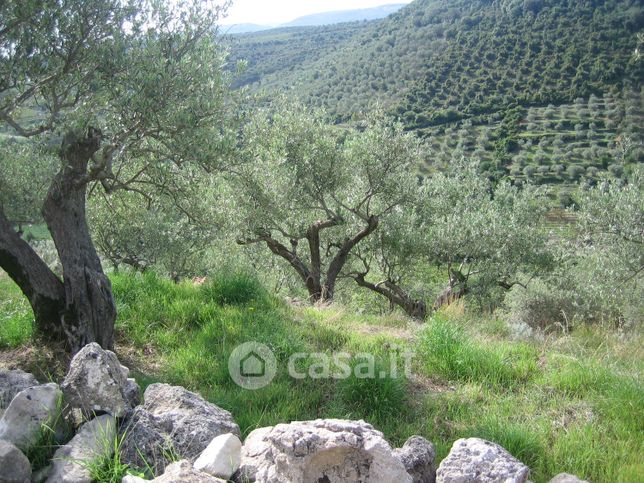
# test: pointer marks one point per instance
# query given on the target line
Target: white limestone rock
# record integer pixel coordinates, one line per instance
(222, 457)
(94, 440)
(29, 410)
(474, 460)
(96, 383)
(14, 465)
(330, 450)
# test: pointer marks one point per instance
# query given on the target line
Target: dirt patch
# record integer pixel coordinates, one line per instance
(421, 385)
(142, 360)
(402, 333)
(46, 363)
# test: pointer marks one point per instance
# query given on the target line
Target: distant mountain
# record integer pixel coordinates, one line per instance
(318, 19)
(329, 18)
(243, 28)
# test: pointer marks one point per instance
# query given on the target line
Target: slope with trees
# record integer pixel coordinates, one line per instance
(439, 60)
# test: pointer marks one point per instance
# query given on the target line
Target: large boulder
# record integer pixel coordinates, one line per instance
(30, 409)
(328, 450)
(11, 383)
(567, 478)
(172, 422)
(183, 472)
(475, 460)
(96, 383)
(94, 441)
(222, 457)
(418, 454)
(14, 465)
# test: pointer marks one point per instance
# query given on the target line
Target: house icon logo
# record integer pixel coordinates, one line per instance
(252, 365)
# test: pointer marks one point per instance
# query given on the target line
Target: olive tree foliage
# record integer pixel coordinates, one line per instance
(312, 193)
(609, 250)
(25, 173)
(133, 93)
(155, 233)
(482, 237)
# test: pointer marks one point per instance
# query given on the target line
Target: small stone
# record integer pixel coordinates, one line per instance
(22, 422)
(11, 383)
(133, 479)
(475, 460)
(14, 465)
(94, 440)
(418, 454)
(222, 456)
(567, 478)
(96, 383)
(183, 472)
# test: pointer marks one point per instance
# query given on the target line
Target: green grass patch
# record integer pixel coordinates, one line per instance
(572, 403)
(446, 350)
(16, 318)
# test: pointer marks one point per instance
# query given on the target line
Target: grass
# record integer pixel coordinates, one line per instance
(563, 403)
(16, 319)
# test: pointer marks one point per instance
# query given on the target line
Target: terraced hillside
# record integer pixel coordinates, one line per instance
(437, 61)
(582, 141)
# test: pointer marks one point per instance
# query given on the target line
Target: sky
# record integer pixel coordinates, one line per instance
(272, 12)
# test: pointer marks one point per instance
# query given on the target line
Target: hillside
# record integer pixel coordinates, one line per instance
(579, 141)
(439, 60)
(283, 51)
(548, 91)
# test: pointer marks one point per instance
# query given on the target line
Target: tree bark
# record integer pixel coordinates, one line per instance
(340, 259)
(38, 283)
(416, 309)
(455, 290)
(89, 311)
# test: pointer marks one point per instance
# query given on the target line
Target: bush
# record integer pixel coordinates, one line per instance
(540, 306)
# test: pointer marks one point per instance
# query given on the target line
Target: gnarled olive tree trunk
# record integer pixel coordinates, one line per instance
(37, 282)
(81, 308)
(320, 285)
(416, 309)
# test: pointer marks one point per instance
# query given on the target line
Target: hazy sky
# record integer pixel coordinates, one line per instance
(268, 12)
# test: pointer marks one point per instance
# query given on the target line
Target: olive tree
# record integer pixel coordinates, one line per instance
(168, 235)
(609, 247)
(312, 193)
(132, 91)
(468, 228)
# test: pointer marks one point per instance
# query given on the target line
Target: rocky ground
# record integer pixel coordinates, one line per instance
(96, 416)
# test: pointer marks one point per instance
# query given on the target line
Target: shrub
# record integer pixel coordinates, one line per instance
(540, 306)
